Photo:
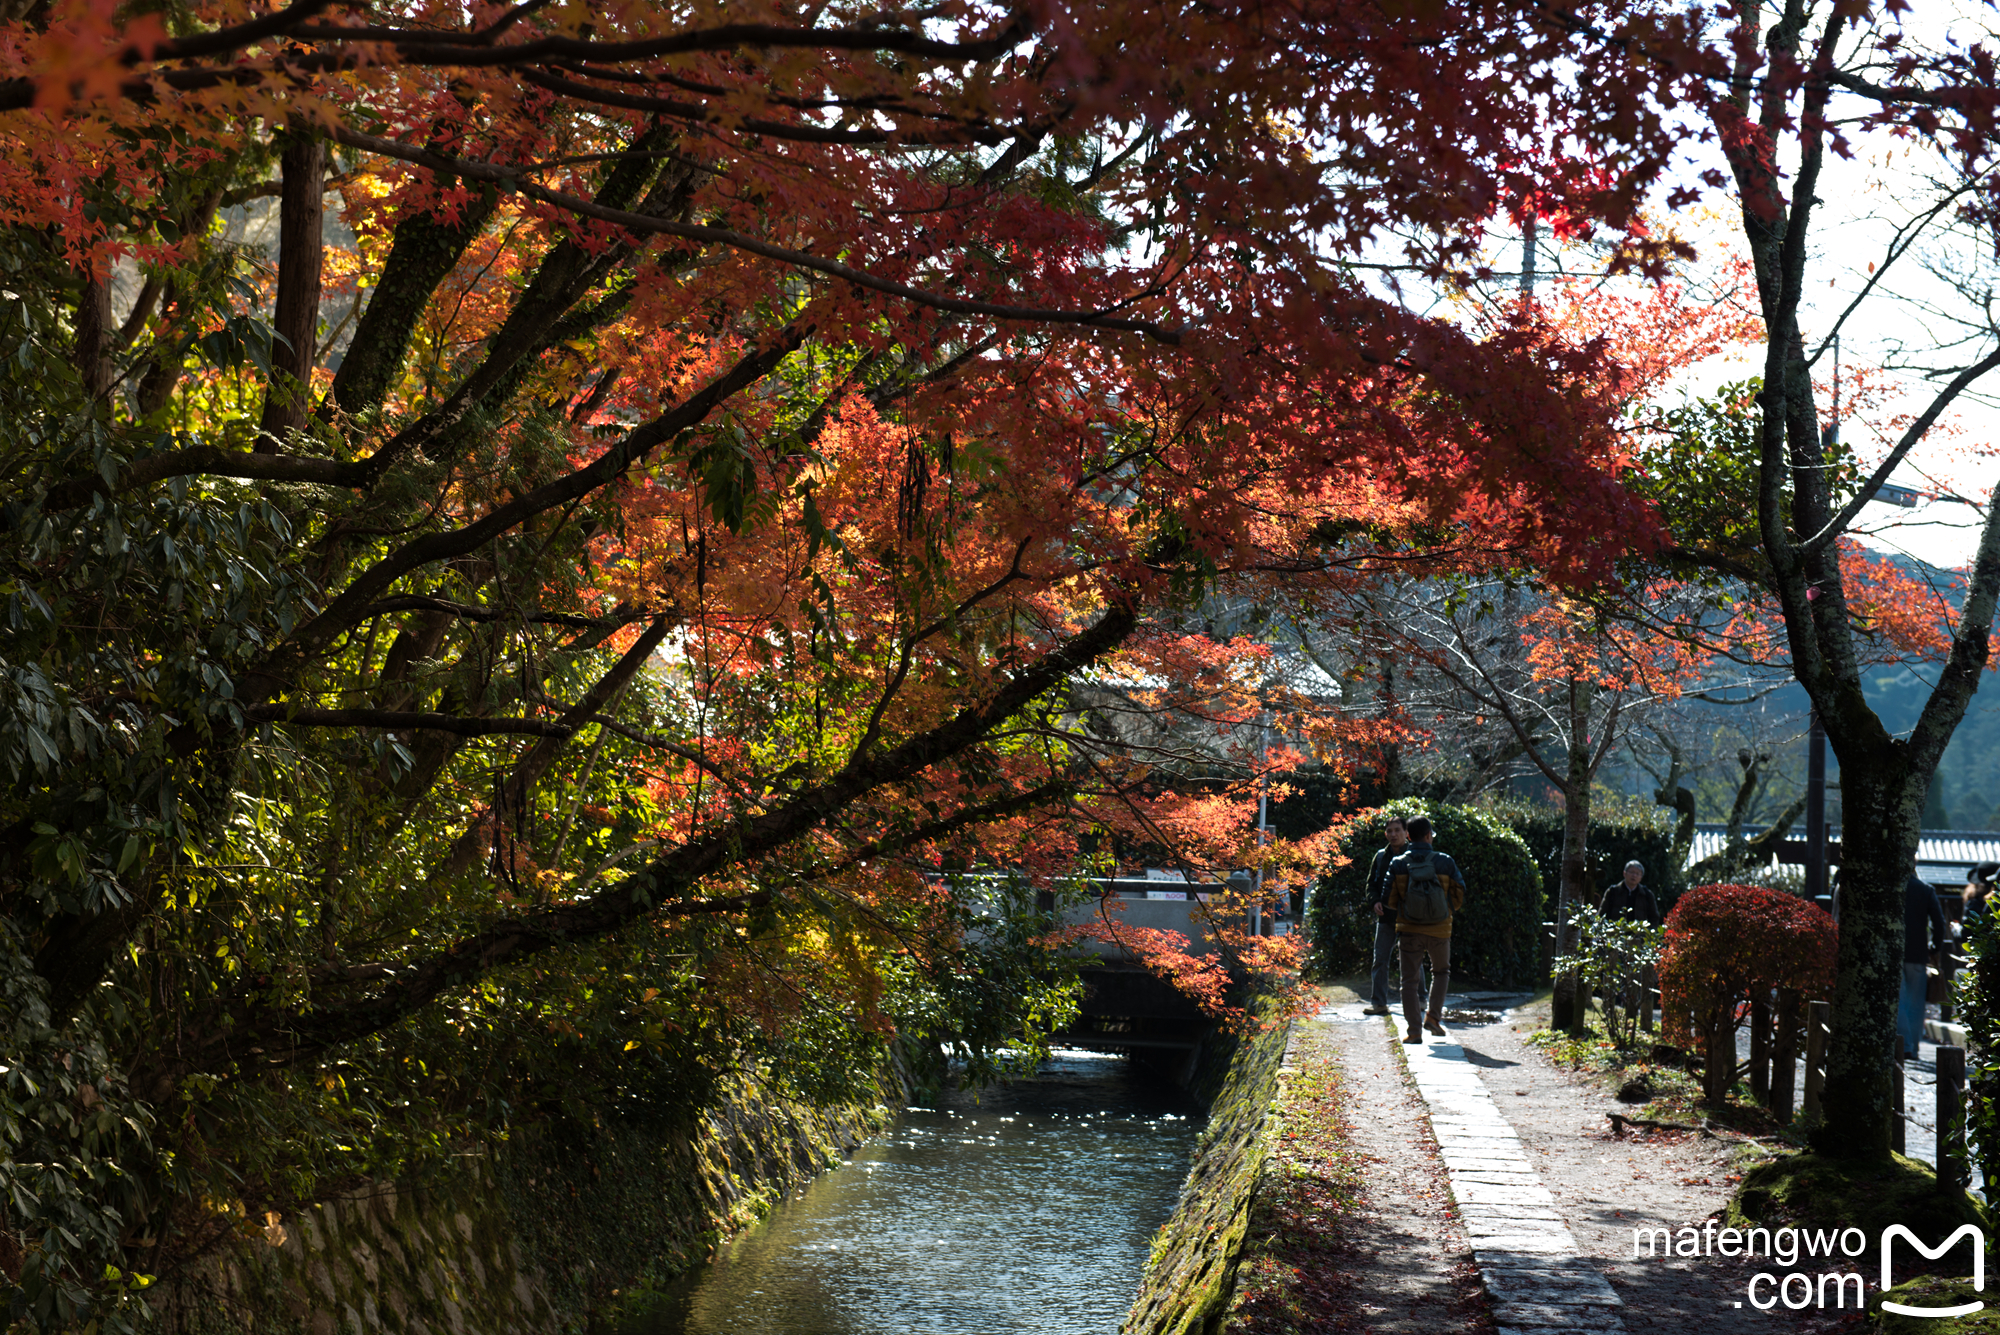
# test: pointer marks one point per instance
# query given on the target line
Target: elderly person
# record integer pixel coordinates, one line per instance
(1630, 898)
(1632, 901)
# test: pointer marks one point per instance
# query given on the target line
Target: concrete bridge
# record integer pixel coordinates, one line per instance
(1125, 1007)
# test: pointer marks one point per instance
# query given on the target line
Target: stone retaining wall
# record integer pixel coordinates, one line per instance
(1192, 1270)
(535, 1242)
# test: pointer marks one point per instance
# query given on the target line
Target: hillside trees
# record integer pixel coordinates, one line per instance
(540, 654)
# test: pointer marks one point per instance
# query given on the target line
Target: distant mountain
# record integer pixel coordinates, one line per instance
(1966, 792)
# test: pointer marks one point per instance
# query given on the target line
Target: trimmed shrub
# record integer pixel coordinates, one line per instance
(1727, 944)
(1496, 937)
(1606, 850)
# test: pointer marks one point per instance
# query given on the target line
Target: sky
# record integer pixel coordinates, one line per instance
(1902, 328)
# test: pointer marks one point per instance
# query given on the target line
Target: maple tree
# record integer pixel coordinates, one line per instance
(1729, 945)
(553, 641)
(1498, 667)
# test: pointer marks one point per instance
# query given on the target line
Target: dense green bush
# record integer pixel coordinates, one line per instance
(1495, 937)
(1976, 993)
(1610, 845)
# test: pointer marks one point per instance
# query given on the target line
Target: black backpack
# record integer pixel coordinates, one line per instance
(1425, 900)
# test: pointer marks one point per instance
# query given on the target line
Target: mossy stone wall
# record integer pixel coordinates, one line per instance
(535, 1241)
(1192, 1270)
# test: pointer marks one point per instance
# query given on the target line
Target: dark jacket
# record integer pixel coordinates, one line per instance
(1920, 910)
(1448, 875)
(1378, 876)
(1638, 905)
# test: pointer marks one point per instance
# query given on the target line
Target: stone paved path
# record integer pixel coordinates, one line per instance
(1525, 1252)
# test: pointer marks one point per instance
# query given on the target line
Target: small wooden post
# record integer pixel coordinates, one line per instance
(1647, 996)
(1951, 1162)
(1785, 1056)
(1760, 1049)
(1898, 1103)
(1819, 1017)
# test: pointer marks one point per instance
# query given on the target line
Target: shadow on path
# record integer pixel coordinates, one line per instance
(1413, 1270)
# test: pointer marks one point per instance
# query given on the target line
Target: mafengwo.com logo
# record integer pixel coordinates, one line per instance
(1824, 1287)
(1968, 1232)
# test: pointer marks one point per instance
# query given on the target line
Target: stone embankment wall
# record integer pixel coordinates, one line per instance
(536, 1242)
(1192, 1270)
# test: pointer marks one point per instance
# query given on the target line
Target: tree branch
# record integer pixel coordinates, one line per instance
(661, 888)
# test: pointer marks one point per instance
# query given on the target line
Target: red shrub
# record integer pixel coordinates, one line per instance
(1727, 944)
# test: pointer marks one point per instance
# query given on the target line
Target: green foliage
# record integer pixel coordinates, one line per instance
(1608, 846)
(70, 1133)
(1495, 937)
(990, 1009)
(1699, 463)
(1976, 995)
(1609, 957)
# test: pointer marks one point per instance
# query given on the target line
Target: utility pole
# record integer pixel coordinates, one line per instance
(1816, 877)
(1815, 809)
(1263, 823)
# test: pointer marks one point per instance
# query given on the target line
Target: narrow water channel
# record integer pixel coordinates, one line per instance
(1025, 1208)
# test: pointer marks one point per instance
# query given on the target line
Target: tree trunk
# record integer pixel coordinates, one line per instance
(94, 332)
(1576, 836)
(1881, 810)
(295, 318)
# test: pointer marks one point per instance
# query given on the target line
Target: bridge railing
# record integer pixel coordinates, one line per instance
(1187, 907)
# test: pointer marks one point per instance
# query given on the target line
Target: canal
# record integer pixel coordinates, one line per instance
(1024, 1208)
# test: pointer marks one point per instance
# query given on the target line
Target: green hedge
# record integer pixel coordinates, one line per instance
(1495, 937)
(1610, 845)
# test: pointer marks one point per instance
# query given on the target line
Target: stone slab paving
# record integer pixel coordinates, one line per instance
(1525, 1252)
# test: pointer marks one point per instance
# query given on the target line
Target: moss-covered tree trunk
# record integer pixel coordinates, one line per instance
(1809, 496)
(1882, 806)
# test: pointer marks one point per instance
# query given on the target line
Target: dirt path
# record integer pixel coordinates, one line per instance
(1413, 1270)
(1606, 1186)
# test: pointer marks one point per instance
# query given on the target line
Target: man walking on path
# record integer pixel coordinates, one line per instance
(1425, 889)
(1385, 923)
(1630, 899)
(1922, 919)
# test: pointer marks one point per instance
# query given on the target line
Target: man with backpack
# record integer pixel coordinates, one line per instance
(1425, 889)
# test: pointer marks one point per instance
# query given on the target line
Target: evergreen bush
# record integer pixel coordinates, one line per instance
(1608, 847)
(1495, 937)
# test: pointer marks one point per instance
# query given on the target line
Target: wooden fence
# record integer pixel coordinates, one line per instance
(1774, 1067)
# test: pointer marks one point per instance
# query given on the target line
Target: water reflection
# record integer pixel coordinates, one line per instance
(1026, 1208)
